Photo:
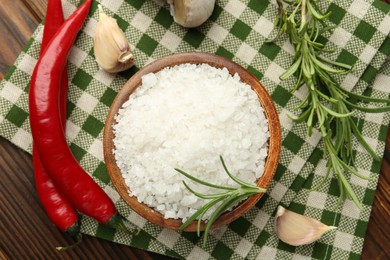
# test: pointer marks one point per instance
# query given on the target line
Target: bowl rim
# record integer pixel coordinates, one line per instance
(129, 87)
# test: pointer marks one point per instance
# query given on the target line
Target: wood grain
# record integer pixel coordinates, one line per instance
(26, 232)
(376, 244)
(17, 22)
(36, 8)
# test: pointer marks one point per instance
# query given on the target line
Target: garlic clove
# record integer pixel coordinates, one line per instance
(112, 51)
(191, 13)
(296, 229)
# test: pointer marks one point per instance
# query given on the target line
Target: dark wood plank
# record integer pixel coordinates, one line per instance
(25, 230)
(36, 8)
(16, 26)
(376, 244)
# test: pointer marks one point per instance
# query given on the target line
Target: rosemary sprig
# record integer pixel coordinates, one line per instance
(326, 105)
(227, 199)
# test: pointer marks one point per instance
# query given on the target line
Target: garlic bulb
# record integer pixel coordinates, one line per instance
(191, 13)
(295, 229)
(112, 51)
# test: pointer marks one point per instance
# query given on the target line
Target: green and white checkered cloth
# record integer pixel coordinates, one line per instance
(237, 30)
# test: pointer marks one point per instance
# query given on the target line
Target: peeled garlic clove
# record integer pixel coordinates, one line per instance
(295, 229)
(191, 13)
(112, 51)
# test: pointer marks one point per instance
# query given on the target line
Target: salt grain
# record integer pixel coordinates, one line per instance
(185, 117)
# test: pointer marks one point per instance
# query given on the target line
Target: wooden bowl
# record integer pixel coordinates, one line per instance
(194, 58)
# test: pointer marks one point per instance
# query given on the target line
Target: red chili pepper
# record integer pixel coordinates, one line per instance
(68, 176)
(58, 209)
(54, 20)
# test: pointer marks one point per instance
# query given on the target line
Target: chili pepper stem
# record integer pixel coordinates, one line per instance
(79, 239)
(74, 230)
(118, 222)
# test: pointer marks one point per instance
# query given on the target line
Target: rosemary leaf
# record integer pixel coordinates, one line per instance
(238, 181)
(227, 204)
(205, 196)
(326, 104)
(369, 109)
(362, 97)
(227, 200)
(199, 212)
(203, 182)
(363, 141)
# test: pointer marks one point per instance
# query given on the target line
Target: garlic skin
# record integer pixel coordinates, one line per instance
(112, 51)
(191, 13)
(296, 229)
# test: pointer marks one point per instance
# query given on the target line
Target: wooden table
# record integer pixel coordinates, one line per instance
(25, 230)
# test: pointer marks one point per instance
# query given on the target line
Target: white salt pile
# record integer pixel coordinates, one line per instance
(185, 117)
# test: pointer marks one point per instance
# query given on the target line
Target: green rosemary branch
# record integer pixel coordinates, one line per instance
(326, 105)
(227, 199)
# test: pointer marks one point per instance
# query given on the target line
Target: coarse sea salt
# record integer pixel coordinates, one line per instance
(184, 117)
